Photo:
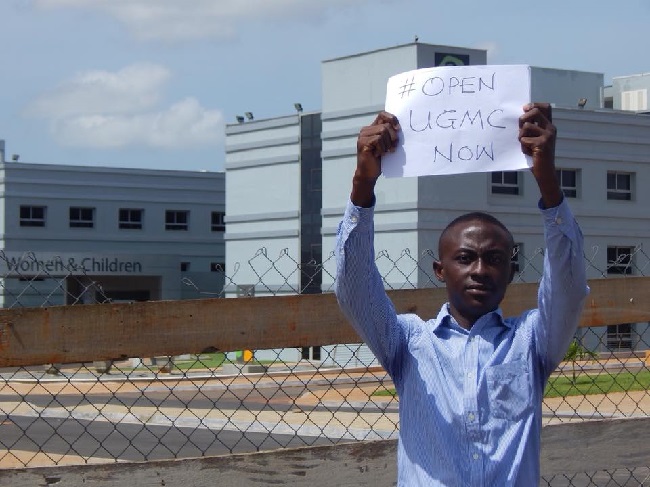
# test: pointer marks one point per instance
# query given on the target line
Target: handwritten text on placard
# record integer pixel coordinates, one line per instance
(457, 119)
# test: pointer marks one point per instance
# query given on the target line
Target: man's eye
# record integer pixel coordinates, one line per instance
(464, 259)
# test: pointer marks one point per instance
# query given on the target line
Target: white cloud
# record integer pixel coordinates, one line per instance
(198, 19)
(104, 109)
(132, 88)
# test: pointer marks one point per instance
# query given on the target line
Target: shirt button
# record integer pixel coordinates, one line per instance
(558, 220)
(470, 375)
(475, 456)
(471, 416)
(354, 219)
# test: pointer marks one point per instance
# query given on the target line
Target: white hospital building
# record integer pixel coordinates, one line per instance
(288, 179)
(79, 234)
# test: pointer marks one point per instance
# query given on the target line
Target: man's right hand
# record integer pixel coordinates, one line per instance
(537, 136)
(374, 141)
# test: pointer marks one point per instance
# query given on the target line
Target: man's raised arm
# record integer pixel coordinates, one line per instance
(564, 285)
(359, 286)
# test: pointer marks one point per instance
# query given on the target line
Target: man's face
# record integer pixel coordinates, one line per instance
(475, 263)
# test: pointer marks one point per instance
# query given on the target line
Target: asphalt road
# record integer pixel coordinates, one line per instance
(135, 442)
(140, 422)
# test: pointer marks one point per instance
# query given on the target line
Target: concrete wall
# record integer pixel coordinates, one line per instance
(263, 205)
(359, 81)
(566, 87)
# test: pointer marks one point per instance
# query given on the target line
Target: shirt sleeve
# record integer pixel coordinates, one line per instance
(360, 291)
(563, 286)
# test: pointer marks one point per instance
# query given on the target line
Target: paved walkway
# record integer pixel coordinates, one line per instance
(335, 403)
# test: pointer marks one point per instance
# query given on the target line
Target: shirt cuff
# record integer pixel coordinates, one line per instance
(358, 217)
(559, 216)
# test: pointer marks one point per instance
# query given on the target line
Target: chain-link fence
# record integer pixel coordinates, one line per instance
(213, 403)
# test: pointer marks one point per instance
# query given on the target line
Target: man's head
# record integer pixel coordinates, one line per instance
(475, 252)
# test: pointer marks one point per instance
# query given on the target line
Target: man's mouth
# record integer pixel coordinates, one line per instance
(478, 289)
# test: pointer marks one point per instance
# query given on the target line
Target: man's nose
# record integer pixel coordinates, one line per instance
(479, 268)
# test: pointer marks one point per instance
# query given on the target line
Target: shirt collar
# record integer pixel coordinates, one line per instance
(444, 318)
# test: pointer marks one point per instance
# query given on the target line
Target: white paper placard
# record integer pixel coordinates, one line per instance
(458, 119)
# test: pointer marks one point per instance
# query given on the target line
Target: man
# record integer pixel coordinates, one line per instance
(470, 382)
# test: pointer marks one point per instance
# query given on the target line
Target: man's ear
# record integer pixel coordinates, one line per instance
(438, 270)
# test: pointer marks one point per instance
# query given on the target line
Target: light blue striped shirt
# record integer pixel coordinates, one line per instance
(470, 404)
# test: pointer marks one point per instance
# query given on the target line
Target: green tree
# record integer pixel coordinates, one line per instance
(577, 352)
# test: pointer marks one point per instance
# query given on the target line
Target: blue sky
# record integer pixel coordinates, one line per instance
(152, 83)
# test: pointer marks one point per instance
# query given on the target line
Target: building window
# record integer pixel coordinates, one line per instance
(619, 185)
(311, 353)
(185, 266)
(619, 337)
(31, 279)
(177, 220)
(568, 179)
(619, 260)
(32, 216)
(517, 257)
(131, 219)
(82, 217)
(505, 182)
(217, 267)
(218, 221)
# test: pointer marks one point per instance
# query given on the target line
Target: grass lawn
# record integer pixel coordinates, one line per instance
(585, 384)
(212, 361)
(203, 361)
